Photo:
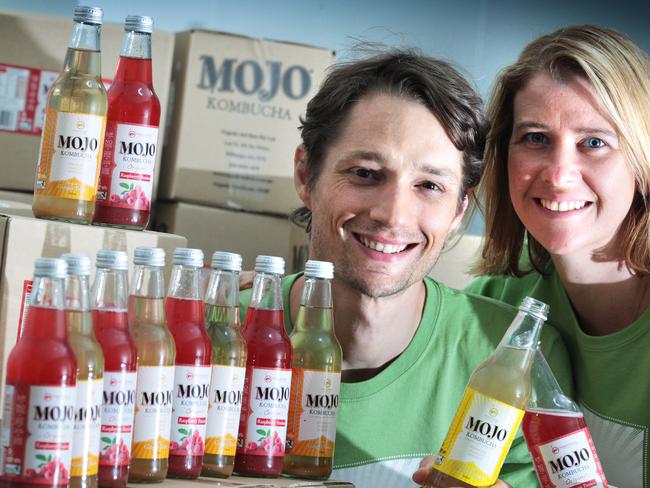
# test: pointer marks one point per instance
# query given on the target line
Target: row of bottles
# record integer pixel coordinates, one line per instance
(105, 386)
(514, 385)
(98, 149)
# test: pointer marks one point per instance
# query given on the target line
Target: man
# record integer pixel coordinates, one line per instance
(391, 151)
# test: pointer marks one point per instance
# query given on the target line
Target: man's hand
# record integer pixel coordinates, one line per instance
(421, 475)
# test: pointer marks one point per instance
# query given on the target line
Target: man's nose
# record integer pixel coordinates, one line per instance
(393, 205)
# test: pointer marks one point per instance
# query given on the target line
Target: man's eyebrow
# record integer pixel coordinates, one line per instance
(435, 170)
(364, 156)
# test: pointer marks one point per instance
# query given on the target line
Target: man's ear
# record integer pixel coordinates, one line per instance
(462, 208)
(301, 175)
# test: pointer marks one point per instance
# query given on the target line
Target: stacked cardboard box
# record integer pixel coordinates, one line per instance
(233, 134)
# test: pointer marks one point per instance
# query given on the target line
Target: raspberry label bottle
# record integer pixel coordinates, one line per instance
(131, 140)
(316, 378)
(109, 304)
(228, 364)
(90, 372)
(39, 399)
(184, 308)
(265, 402)
(156, 356)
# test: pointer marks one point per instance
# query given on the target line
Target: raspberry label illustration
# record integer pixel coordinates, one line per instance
(117, 418)
(191, 390)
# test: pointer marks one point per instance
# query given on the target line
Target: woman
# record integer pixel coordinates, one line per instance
(566, 190)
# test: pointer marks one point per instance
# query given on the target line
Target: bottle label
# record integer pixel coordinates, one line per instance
(267, 399)
(87, 423)
(128, 163)
(570, 461)
(71, 148)
(118, 407)
(226, 390)
(37, 434)
(153, 412)
(191, 391)
(479, 439)
(312, 417)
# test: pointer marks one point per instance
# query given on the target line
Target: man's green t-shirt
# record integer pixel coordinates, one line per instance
(385, 425)
(611, 374)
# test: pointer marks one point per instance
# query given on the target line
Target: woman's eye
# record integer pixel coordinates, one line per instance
(535, 137)
(594, 143)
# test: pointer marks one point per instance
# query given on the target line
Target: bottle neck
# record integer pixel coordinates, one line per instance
(148, 282)
(45, 315)
(77, 295)
(83, 54)
(267, 292)
(136, 45)
(223, 289)
(522, 335)
(85, 36)
(47, 293)
(315, 313)
(109, 291)
(185, 282)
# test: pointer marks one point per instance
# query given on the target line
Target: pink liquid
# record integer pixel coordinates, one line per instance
(42, 357)
(120, 356)
(268, 347)
(193, 347)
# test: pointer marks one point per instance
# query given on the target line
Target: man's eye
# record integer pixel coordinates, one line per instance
(430, 185)
(363, 173)
(535, 137)
(593, 142)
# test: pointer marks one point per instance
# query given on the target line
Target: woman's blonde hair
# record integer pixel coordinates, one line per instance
(619, 72)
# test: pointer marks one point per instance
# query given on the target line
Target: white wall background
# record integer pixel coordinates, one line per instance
(479, 36)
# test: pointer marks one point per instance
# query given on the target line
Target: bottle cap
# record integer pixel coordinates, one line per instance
(139, 23)
(534, 307)
(149, 256)
(78, 264)
(50, 268)
(185, 256)
(108, 259)
(226, 261)
(269, 264)
(88, 15)
(319, 269)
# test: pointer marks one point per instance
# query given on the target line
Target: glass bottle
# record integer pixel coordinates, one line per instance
(110, 318)
(315, 378)
(265, 402)
(73, 130)
(39, 397)
(556, 434)
(131, 141)
(90, 373)
(156, 356)
(492, 406)
(184, 308)
(228, 364)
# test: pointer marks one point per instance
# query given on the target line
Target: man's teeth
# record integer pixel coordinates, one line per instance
(564, 206)
(385, 248)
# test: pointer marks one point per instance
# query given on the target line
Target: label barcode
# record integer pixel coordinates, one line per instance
(7, 120)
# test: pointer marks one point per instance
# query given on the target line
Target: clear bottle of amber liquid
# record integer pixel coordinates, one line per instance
(156, 356)
(315, 378)
(73, 130)
(228, 364)
(492, 407)
(90, 373)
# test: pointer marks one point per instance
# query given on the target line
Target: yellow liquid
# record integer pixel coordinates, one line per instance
(90, 366)
(504, 376)
(78, 89)
(228, 349)
(155, 348)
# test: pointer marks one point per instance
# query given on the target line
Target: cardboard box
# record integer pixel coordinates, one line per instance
(243, 482)
(25, 198)
(23, 239)
(32, 50)
(215, 229)
(454, 263)
(236, 108)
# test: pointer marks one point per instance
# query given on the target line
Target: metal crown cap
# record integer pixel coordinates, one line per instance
(185, 256)
(139, 23)
(149, 256)
(319, 269)
(108, 259)
(50, 268)
(88, 15)
(534, 307)
(269, 264)
(78, 264)
(226, 261)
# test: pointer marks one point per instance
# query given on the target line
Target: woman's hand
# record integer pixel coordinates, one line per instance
(422, 474)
